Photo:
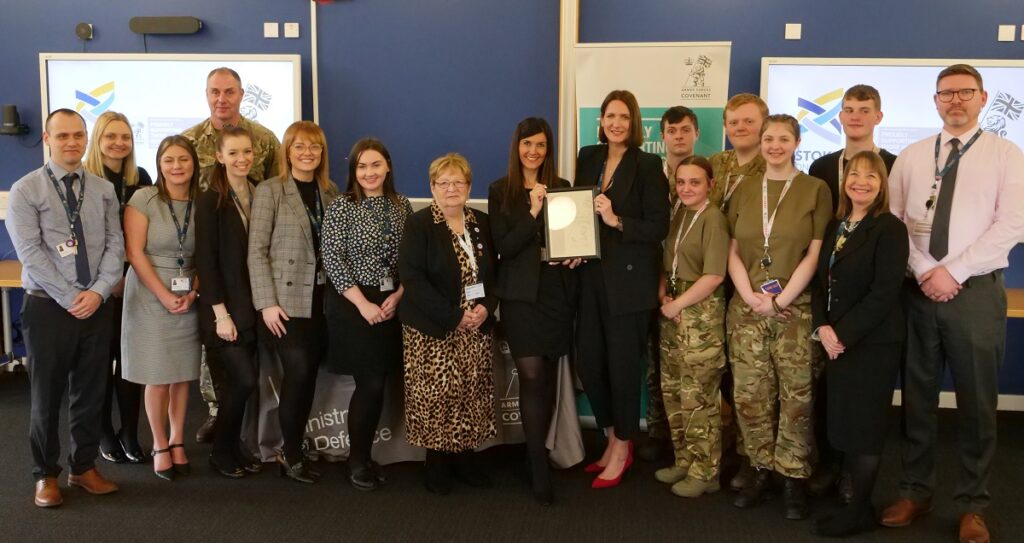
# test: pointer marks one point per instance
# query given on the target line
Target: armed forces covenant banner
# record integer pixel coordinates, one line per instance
(661, 75)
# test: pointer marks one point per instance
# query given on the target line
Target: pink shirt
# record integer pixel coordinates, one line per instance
(987, 217)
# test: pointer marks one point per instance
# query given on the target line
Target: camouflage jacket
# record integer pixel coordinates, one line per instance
(265, 145)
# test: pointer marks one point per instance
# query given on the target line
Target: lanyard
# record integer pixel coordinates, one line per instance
(182, 232)
(842, 165)
(729, 189)
(600, 179)
(939, 174)
(768, 223)
(315, 220)
(384, 223)
(466, 242)
(844, 229)
(72, 215)
(244, 210)
(681, 235)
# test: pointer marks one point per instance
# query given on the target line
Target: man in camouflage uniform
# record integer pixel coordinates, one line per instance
(693, 361)
(224, 95)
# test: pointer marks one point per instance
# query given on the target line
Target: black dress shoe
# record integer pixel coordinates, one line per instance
(756, 492)
(206, 432)
(378, 472)
(298, 471)
(233, 472)
(362, 477)
(115, 455)
(248, 462)
(795, 499)
(181, 469)
(131, 449)
(166, 474)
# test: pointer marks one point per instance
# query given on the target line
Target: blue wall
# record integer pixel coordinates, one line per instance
(429, 77)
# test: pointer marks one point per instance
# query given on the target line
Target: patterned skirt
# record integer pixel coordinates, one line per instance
(449, 389)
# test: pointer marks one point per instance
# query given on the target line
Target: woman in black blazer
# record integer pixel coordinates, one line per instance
(538, 300)
(227, 317)
(112, 157)
(619, 291)
(446, 263)
(858, 319)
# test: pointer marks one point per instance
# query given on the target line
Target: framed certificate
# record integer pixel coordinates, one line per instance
(570, 224)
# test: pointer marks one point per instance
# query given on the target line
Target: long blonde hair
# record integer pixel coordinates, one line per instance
(315, 135)
(94, 158)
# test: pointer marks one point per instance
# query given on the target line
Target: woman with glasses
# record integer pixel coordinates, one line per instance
(288, 278)
(112, 157)
(362, 231)
(446, 263)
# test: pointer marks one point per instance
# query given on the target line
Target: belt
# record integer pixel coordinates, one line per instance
(38, 293)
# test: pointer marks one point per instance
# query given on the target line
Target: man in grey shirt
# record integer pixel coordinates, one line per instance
(64, 223)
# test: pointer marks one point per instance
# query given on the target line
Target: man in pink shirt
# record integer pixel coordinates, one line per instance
(960, 194)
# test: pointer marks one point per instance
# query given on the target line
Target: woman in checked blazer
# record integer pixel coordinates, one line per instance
(288, 279)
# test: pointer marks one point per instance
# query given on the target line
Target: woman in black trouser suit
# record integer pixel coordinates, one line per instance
(619, 291)
(112, 157)
(538, 300)
(227, 319)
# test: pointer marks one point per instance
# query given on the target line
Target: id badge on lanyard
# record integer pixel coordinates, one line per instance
(476, 290)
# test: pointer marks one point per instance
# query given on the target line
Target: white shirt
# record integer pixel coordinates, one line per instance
(987, 216)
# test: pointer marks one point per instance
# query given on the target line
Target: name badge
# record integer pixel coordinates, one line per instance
(67, 248)
(321, 278)
(771, 287)
(474, 291)
(181, 285)
(922, 229)
(387, 284)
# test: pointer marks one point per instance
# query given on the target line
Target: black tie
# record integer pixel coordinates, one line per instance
(81, 258)
(938, 246)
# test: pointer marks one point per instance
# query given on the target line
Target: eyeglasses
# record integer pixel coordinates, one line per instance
(964, 94)
(301, 148)
(445, 185)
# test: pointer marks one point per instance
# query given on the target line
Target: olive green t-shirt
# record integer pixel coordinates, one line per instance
(728, 172)
(803, 216)
(705, 249)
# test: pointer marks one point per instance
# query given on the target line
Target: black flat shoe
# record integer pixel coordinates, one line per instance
(167, 474)
(298, 471)
(362, 477)
(232, 472)
(378, 472)
(115, 455)
(131, 449)
(181, 469)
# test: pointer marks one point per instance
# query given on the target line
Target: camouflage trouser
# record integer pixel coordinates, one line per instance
(692, 363)
(657, 422)
(774, 380)
(206, 388)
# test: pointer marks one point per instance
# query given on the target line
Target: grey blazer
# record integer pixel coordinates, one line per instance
(282, 261)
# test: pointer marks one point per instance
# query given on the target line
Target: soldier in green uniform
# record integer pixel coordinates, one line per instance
(777, 225)
(743, 117)
(693, 331)
(224, 96)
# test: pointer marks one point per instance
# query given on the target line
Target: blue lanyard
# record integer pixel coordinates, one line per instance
(384, 222)
(939, 174)
(843, 227)
(315, 220)
(72, 215)
(182, 232)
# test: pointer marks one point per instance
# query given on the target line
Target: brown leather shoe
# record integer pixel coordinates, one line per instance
(973, 529)
(903, 511)
(48, 493)
(92, 482)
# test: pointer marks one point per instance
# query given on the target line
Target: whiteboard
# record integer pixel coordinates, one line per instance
(166, 94)
(811, 89)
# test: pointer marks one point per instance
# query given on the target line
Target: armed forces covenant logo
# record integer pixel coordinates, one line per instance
(1004, 109)
(695, 85)
(92, 104)
(820, 116)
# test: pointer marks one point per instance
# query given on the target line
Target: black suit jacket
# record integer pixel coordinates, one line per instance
(429, 270)
(517, 239)
(222, 246)
(630, 259)
(866, 281)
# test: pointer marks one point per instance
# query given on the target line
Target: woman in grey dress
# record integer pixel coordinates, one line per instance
(160, 331)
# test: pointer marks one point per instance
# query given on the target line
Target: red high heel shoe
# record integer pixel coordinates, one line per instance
(595, 467)
(608, 483)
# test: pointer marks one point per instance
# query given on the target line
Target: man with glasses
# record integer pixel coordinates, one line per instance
(960, 194)
(224, 96)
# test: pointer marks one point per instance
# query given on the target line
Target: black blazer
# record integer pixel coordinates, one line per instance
(222, 247)
(517, 238)
(630, 260)
(866, 281)
(429, 270)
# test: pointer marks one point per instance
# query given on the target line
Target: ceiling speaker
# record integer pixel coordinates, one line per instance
(165, 25)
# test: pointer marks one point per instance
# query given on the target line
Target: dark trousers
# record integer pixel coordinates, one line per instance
(65, 355)
(610, 351)
(968, 335)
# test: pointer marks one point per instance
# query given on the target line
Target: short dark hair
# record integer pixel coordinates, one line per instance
(960, 69)
(61, 111)
(864, 93)
(676, 114)
(636, 128)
